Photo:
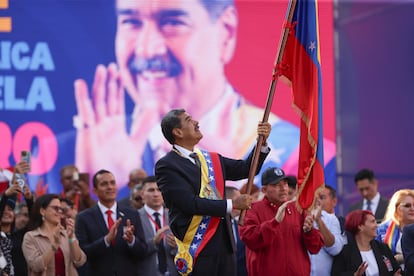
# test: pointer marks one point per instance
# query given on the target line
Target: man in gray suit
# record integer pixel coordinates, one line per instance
(160, 241)
(367, 185)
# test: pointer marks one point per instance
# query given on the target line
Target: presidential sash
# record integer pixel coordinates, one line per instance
(202, 228)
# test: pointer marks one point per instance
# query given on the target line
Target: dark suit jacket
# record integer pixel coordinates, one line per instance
(407, 245)
(180, 181)
(381, 209)
(241, 252)
(348, 261)
(118, 259)
(148, 265)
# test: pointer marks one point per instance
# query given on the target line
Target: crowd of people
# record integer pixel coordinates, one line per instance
(184, 220)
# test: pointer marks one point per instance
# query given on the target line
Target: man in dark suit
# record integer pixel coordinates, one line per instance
(160, 241)
(233, 192)
(192, 184)
(367, 185)
(111, 236)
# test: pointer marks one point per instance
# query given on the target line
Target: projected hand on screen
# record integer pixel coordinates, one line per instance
(102, 140)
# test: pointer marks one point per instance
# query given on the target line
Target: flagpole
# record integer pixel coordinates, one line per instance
(269, 101)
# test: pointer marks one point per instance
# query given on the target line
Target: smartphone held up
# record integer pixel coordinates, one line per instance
(25, 156)
(21, 177)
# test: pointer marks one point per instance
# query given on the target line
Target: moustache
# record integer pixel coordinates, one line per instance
(167, 63)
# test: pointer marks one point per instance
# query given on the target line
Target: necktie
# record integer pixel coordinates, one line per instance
(196, 159)
(369, 205)
(162, 260)
(110, 222)
(235, 231)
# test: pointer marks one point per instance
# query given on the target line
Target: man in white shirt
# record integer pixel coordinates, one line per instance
(110, 235)
(328, 224)
(367, 185)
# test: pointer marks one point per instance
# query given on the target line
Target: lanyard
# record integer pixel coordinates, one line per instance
(151, 218)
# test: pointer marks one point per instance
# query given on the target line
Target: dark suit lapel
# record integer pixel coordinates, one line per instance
(121, 214)
(189, 169)
(99, 220)
(379, 257)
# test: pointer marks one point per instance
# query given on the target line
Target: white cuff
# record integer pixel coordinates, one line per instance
(229, 206)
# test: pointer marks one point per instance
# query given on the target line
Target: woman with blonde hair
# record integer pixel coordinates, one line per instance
(400, 212)
(50, 249)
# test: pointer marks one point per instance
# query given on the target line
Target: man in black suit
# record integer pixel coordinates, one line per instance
(233, 192)
(192, 184)
(110, 235)
(367, 185)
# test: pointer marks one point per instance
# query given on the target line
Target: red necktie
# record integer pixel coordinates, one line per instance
(110, 220)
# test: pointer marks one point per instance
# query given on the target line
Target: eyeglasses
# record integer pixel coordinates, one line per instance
(138, 199)
(56, 208)
(407, 205)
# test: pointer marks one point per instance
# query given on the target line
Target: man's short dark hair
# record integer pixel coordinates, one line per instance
(95, 177)
(364, 174)
(170, 121)
(332, 191)
(149, 179)
(216, 7)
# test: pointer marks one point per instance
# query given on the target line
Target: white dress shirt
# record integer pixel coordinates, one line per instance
(374, 203)
(321, 263)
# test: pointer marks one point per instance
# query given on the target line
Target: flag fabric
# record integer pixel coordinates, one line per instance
(6, 176)
(300, 63)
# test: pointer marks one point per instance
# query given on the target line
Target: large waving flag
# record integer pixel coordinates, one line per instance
(301, 65)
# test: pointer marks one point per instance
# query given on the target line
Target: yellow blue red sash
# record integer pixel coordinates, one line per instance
(202, 228)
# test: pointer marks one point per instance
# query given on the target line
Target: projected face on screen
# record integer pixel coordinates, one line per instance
(174, 51)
